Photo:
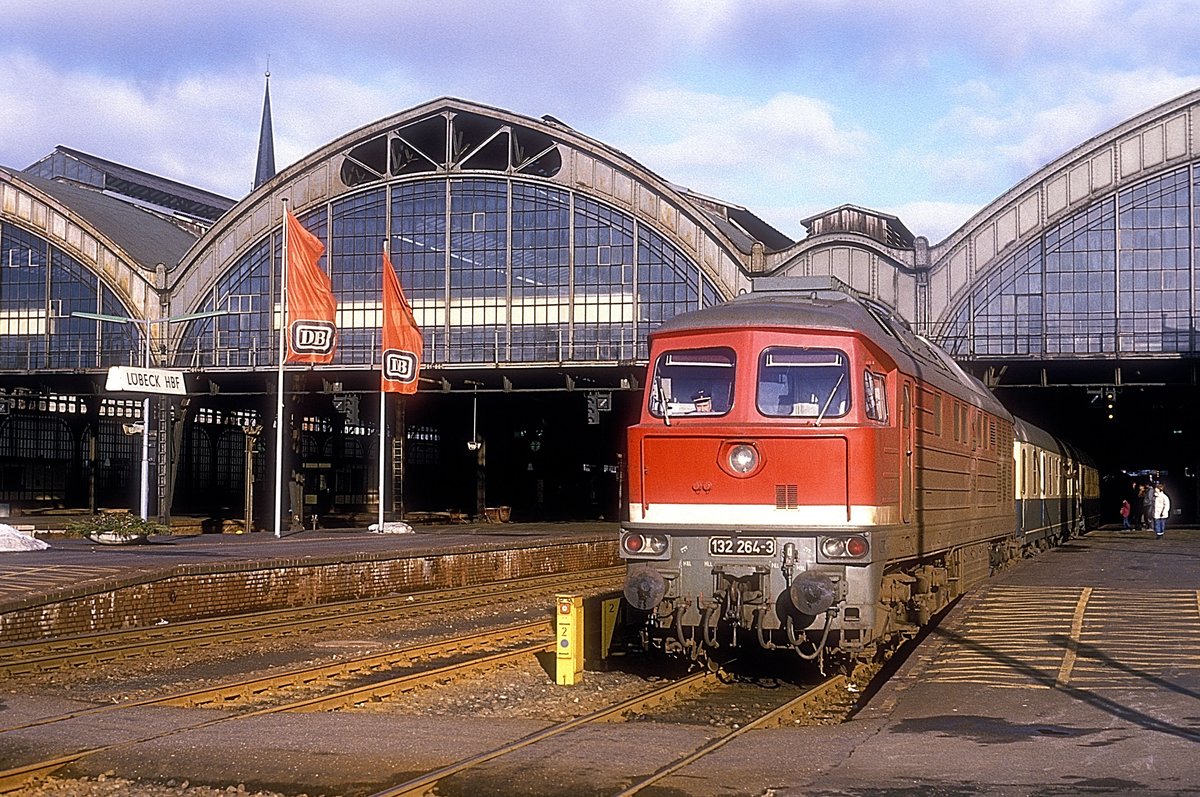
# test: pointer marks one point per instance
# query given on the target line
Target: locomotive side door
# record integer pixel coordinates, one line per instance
(907, 460)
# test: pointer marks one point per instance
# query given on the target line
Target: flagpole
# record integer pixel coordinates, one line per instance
(382, 392)
(402, 346)
(279, 418)
(382, 449)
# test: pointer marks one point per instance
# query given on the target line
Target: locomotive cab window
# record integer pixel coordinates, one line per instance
(693, 382)
(806, 383)
(875, 396)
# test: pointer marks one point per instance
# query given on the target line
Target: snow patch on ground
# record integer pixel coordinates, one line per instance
(11, 539)
(391, 527)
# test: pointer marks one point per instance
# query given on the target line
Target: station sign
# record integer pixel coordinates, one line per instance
(146, 380)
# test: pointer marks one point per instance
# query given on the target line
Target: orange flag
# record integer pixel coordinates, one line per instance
(311, 306)
(402, 341)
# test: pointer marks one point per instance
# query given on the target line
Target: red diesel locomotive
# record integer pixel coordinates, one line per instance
(808, 473)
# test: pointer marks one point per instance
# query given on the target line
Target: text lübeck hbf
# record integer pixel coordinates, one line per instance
(136, 379)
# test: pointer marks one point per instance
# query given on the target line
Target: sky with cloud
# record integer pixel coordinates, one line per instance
(927, 109)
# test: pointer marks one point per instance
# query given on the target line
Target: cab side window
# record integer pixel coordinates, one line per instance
(875, 396)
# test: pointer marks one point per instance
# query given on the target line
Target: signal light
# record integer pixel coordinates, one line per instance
(643, 544)
(856, 546)
(853, 547)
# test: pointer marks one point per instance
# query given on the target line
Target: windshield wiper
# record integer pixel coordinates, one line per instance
(662, 400)
(829, 400)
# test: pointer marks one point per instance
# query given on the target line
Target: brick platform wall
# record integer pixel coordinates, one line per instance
(239, 589)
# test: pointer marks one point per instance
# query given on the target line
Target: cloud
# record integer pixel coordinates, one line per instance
(788, 107)
(1001, 138)
(932, 219)
(700, 21)
(734, 147)
(311, 111)
(493, 52)
(1096, 103)
(194, 131)
(201, 129)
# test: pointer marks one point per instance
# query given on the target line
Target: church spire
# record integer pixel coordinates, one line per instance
(266, 143)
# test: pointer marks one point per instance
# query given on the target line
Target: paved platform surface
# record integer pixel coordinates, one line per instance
(73, 566)
(1076, 672)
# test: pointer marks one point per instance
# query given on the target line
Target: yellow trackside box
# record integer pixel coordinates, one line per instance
(568, 659)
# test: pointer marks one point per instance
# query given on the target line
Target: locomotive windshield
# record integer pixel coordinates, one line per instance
(693, 382)
(809, 383)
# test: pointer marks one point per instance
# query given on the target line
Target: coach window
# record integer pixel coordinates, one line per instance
(875, 396)
(693, 382)
(809, 383)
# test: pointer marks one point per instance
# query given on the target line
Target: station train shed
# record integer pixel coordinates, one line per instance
(537, 260)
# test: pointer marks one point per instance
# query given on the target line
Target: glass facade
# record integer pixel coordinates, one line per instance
(497, 270)
(40, 288)
(510, 269)
(1115, 277)
(506, 267)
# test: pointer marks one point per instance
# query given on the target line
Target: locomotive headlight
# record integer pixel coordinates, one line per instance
(743, 458)
(833, 547)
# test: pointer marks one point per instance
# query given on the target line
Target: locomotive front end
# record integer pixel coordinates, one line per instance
(757, 484)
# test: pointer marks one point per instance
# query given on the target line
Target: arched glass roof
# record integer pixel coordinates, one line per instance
(517, 241)
(1114, 277)
(444, 142)
(497, 269)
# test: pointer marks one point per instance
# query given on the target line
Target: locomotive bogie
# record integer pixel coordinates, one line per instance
(796, 584)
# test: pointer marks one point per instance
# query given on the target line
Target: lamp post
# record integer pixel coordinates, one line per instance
(251, 433)
(145, 324)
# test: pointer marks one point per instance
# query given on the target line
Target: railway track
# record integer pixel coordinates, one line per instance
(773, 718)
(637, 705)
(373, 679)
(245, 699)
(518, 641)
(91, 650)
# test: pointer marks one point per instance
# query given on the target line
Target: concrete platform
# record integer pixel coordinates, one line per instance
(1076, 672)
(78, 586)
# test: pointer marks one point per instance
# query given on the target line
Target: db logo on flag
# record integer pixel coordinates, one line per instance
(312, 337)
(399, 366)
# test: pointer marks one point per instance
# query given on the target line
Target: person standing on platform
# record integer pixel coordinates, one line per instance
(1162, 510)
(1148, 506)
(1125, 515)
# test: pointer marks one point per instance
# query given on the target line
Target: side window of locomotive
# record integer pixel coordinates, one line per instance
(806, 383)
(875, 396)
(693, 382)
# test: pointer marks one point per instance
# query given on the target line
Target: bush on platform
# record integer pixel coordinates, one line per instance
(115, 527)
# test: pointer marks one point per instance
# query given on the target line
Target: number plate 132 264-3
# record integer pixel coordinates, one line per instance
(741, 546)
